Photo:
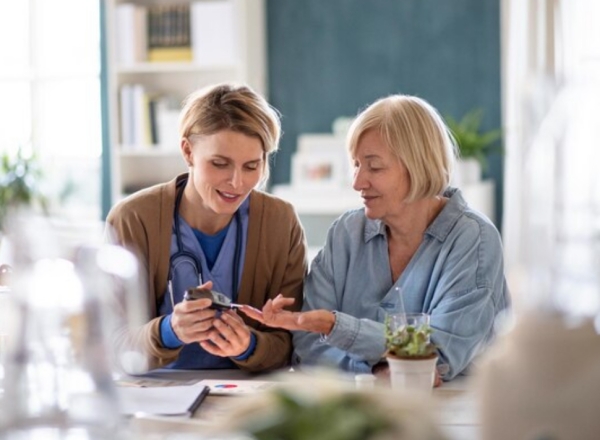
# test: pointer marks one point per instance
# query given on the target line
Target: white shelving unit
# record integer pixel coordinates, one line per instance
(317, 209)
(140, 165)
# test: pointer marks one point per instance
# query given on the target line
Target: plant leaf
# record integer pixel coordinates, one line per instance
(471, 142)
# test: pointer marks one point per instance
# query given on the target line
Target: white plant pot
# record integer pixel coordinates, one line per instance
(467, 172)
(412, 374)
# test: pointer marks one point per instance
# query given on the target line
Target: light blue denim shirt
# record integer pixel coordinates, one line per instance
(456, 275)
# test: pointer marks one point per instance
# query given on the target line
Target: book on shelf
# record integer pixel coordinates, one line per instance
(131, 29)
(126, 114)
(169, 33)
(169, 54)
(135, 117)
(203, 32)
(167, 123)
(148, 120)
(213, 33)
(139, 118)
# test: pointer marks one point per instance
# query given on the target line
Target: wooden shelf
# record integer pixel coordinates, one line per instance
(174, 67)
(319, 201)
(150, 153)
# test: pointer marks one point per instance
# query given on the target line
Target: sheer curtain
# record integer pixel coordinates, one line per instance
(551, 53)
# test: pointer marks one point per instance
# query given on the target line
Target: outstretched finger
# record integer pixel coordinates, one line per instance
(252, 312)
(280, 302)
(268, 311)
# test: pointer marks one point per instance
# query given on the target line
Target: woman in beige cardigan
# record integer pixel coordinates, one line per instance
(212, 227)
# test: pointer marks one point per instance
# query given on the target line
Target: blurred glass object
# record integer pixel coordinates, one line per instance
(4, 328)
(551, 355)
(556, 339)
(73, 326)
(111, 274)
(57, 378)
(562, 184)
(563, 252)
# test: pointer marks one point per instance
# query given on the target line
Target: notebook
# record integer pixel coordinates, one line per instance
(161, 401)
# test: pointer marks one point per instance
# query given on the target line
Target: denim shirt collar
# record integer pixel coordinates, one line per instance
(441, 226)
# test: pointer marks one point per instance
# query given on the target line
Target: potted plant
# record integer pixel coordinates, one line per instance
(473, 145)
(19, 184)
(309, 405)
(411, 355)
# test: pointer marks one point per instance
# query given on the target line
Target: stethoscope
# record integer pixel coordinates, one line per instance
(191, 258)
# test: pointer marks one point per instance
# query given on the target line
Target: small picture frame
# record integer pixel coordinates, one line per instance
(325, 169)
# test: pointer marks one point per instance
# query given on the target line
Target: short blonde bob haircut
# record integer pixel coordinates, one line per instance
(417, 135)
(232, 107)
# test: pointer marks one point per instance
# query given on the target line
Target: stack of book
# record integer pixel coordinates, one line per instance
(169, 37)
(148, 120)
(202, 32)
(131, 28)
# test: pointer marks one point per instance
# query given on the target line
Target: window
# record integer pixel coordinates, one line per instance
(552, 187)
(50, 96)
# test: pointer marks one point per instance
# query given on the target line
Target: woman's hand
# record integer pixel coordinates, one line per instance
(229, 336)
(192, 321)
(274, 315)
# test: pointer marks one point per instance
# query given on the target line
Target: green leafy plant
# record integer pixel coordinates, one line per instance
(322, 405)
(409, 341)
(19, 184)
(342, 417)
(471, 142)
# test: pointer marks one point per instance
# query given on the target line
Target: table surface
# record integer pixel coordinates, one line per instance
(454, 403)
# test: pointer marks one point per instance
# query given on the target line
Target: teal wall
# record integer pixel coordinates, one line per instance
(106, 188)
(333, 57)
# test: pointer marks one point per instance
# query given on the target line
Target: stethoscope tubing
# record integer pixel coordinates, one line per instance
(181, 252)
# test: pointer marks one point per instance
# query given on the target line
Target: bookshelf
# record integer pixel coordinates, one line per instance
(225, 42)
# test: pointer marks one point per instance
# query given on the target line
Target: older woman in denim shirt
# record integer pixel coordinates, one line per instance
(416, 246)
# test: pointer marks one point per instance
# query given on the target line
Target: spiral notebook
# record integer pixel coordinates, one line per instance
(161, 401)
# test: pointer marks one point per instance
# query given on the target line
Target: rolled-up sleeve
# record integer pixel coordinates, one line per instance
(363, 337)
(467, 299)
(354, 344)
(462, 323)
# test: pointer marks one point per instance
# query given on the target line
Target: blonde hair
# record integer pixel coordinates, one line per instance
(417, 135)
(232, 107)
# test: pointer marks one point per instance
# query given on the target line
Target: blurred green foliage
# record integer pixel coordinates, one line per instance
(343, 417)
(471, 142)
(20, 180)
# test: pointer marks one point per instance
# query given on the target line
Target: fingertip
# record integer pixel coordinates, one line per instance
(207, 285)
(198, 304)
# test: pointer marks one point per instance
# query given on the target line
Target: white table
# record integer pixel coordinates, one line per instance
(454, 402)
(456, 410)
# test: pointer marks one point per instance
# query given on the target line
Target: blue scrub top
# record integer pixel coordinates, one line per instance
(193, 356)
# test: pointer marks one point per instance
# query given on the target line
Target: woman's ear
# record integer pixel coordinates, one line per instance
(186, 151)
